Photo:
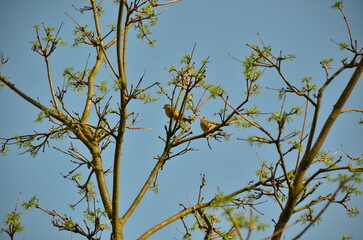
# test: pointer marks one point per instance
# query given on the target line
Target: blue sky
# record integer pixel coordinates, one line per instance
(302, 28)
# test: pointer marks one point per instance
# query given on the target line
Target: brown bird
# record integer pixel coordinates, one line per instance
(207, 125)
(172, 113)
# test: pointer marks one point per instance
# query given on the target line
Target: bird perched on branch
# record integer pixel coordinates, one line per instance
(172, 113)
(207, 125)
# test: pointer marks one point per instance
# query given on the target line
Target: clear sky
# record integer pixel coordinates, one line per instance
(303, 28)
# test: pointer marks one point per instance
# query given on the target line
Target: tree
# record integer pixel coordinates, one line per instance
(13, 222)
(293, 177)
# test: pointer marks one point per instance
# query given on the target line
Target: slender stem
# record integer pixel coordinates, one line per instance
(117, 225)
(306, 113)
(55, 104)
(348, 27)
(108, 60)
(96, 67)
(282, 163)
(292, 87)
(91, 86)
(100, 36)
(95, 18)
(144, 189)
(172, 219)
(194, 208)
(314, 122)
(121, 45)
(23, 95)
(352, 110)
(101, 181)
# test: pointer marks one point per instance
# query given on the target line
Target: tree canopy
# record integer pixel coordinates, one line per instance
(175, 119)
